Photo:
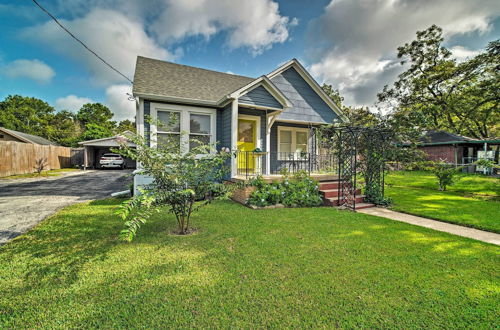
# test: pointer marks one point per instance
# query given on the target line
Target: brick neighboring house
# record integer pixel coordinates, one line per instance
(457, 149)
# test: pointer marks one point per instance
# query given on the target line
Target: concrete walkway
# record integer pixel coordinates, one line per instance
(476, 234)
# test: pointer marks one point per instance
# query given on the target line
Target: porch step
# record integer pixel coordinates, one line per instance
(334, 192)
(329, 185)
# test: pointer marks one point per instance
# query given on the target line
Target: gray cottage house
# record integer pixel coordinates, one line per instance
(270, 120)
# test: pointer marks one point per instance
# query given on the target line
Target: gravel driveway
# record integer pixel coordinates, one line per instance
(26, 202)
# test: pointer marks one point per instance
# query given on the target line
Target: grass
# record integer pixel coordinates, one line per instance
(474, 200)
(43, 174)
(301, 268)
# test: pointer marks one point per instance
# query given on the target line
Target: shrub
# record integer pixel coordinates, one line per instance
(296, 191)
(445, 174)
(420, 165)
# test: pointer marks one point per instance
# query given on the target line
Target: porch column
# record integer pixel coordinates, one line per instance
(269, 124)
(270, 119)
(234, 135)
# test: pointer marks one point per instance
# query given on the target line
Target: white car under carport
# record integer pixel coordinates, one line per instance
(94, 150)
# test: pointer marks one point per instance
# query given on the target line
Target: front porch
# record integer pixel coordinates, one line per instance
(272, 165)
(278, 177)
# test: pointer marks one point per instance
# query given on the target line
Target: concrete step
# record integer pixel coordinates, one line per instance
(335, 192)
(360, 206)
(334, 201)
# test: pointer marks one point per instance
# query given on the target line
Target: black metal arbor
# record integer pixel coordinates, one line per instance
(361, 151)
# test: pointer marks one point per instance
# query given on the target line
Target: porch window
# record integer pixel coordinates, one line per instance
(292, 142)
(169, 128)
(199, 129)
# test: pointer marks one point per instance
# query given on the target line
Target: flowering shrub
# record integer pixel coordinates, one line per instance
(296, 191)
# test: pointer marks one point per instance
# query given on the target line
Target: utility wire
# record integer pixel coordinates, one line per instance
(81, 42)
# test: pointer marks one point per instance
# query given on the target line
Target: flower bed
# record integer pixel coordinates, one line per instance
(298, 190)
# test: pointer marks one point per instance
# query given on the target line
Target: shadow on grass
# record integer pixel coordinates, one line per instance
(58, 247)
(76, 272)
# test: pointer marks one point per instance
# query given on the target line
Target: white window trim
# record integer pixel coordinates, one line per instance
(184, 112)
(258, 143)
(294, 131)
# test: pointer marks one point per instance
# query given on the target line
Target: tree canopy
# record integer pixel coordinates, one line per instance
(34, 116)
(438, 92)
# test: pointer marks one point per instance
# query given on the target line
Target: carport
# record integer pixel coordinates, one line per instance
(94, 149)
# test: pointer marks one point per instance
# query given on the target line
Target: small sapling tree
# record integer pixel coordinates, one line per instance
(40, 165)
(185, 178)
(445, 173)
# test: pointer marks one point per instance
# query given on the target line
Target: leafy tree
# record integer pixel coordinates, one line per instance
(65, 129)
(96, 113)
(334, 94)
(125, 125)
(95, 131)
(437, 92)
(360, 116)
(26, 114)
(96, 122)
(182, 181)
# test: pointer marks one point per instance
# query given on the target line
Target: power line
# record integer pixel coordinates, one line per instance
(81, 42)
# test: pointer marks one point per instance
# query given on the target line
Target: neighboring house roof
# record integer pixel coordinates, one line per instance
(28, 138)
(109, 141)
(430, 138)
(166, 79)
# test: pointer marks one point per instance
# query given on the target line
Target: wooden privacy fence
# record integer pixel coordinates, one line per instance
(19, 158)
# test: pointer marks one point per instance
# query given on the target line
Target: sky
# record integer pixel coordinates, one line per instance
(350, 44)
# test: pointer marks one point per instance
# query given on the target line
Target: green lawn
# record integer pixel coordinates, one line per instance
(473, 201)
(316, 267)
(43, 174)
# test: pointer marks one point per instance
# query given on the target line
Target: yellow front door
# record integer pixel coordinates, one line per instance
(247, 137)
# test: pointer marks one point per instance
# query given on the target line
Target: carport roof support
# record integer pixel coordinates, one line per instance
(108, 142)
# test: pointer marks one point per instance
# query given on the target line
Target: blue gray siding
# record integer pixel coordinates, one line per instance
(147, 128)
(224, 127)
(260, 96)
(307, 106)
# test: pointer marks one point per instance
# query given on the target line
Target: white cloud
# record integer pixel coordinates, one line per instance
(463, 53)
(256, 24)
(31, 69)
(356, 40)
(71, 102)
(118, 102)
(115, 37)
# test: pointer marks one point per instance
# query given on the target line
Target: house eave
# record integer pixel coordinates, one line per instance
(174, 99)
(300, 122)
(267, 84)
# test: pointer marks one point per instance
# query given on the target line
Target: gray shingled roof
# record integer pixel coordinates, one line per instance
(443, 136)
(32, 138)
(175, 80)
